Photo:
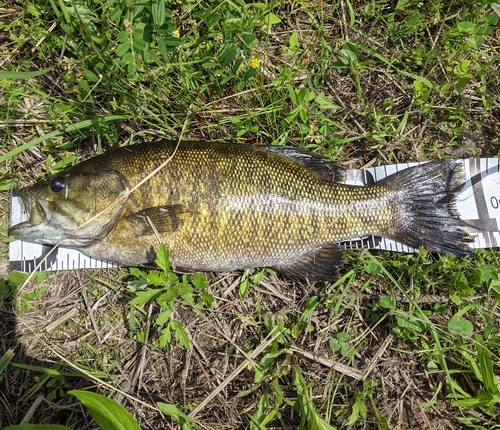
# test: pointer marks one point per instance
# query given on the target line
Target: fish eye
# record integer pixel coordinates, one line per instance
(58, 184)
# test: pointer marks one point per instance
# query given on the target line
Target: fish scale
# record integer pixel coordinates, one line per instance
(223, 207)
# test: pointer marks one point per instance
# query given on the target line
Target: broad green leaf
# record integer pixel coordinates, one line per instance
(244, 287)
(459, 86)
(91, 76)
(162, 47)
(165, 337)
(259, 6)
(154, 278)
(476, 42)
(163, 317)
(17, 277)
(294, 40)
(107, 413)
(141, 36)
(228, 55)
(200, 281)
(343, 336)
(404, 322)
(207, 298)
(347, 350)
(372, 266)
(181, 334)
(271, 19)
(158, 12)
(144, 297)
(401, 3)
(334, 344)
(33, 10)
(466, 27)
(387, 302)
(84, 85)
(461, 326)
(293, 94)
(138, 273)
(325, 103)
(358, 409)
(300, 95)
(137, 284)
(163, 256)
(258, 277)
(432, 366)
(131, 66)
(123, 48)
(184, 289)
(491, 19)
(172, 42)
(122, 36)
(350, 54)
(173, 411)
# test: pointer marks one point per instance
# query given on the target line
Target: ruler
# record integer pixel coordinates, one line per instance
(478, 204)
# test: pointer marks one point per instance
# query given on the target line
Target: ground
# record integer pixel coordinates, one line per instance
(396, 341)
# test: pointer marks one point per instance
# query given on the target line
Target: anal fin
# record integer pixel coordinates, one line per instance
(319, 265)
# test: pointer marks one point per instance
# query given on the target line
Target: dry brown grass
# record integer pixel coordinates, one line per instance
(74, 327)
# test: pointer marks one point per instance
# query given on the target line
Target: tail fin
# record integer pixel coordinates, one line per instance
(427, 215)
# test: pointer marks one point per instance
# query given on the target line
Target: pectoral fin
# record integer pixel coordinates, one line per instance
(319, 265)
(160, 219)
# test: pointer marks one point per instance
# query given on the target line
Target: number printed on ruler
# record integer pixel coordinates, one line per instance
(479, 201)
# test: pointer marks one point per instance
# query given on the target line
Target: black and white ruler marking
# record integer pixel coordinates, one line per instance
(478, 204)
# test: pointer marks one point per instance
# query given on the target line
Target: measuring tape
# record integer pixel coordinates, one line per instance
(478, 204)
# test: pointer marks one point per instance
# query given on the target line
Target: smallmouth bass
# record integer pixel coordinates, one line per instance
(225, 207)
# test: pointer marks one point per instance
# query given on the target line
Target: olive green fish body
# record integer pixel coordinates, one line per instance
(223, 207)
(241, 207)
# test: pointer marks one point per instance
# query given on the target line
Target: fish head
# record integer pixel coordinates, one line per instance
(75, 208)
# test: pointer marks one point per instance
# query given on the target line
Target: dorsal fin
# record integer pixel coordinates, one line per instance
(316, 162)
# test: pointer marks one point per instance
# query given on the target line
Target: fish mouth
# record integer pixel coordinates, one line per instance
(37, 209)
(37, 212)
(46, 225)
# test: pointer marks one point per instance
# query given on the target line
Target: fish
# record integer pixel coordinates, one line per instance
(221, 207)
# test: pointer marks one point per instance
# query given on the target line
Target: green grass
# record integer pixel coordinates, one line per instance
(360, 82)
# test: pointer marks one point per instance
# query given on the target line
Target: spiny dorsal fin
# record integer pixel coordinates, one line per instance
(316, 162)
